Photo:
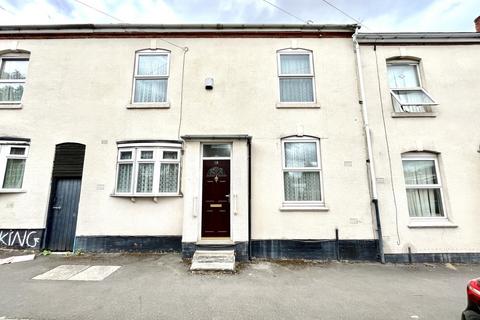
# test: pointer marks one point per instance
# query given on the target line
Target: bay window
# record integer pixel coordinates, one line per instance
(148, 170)
(302, 174)
(12, 166)
(296, 77)
(151, 77)
(423, 184)
(406, 89)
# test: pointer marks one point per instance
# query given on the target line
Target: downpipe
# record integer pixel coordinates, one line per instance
(368, 140)
(249, 146)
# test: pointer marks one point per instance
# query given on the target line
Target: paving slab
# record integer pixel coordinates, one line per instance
(95, 273)
(15, 259)
(63, 272)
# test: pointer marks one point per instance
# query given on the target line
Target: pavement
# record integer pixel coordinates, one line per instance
(160, 286)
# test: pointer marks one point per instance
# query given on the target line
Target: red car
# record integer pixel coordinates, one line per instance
(473, 307)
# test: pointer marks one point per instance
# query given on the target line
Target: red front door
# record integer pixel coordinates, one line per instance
(216, 198)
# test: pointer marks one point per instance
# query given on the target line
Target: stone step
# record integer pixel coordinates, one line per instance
(213, 260)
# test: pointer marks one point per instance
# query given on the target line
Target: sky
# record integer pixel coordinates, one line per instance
(375, 15)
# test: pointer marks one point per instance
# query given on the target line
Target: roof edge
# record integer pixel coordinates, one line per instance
(122, 27)
(418, 37)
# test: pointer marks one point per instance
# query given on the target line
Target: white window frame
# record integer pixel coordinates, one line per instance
(157, 161)
(14, 57)
(4, 156)
(396, 99)
(310, 75)
(125, 161)
(318, 168)
(166, 76)
(419, 156)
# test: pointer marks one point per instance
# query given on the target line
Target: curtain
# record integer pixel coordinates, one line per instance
(419, 172)
(413, 96)
(168, 177)
(14, 173)
(302, 186)
(14, 69)
(11, 92)
(124, 179)
(424, 203)
(152, 65)
(150, 90)
(145, 177)
(294, 64)
(402, 76)
(169, 155)
(300, 154)
(296, 89)
(125, 155)
(146, 155)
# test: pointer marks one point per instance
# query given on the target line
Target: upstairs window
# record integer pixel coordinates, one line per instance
(406, 89)
(13, 73)
(147, 171)
(302, 172)
(295, 72)
(423, 183)
(151, 76)
(12, 166)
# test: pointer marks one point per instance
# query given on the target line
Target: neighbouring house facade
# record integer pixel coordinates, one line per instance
(258, 138)
(423, 93)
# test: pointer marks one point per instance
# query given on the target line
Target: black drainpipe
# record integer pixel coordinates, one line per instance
(379, 231)
(249, 145)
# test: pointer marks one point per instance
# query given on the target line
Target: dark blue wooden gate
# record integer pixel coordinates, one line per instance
(63, 214)
(64, 196)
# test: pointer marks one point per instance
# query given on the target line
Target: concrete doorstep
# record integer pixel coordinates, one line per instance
(213, 260)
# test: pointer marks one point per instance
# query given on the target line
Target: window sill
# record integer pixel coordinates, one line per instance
(146, 195)
(159, 105)
(11, 106)
(414, 114)
(442, 223)
(297, 105)
(154, 197)
(13, 191)
(304, 208)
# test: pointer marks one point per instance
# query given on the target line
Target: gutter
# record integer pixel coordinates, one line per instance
(419, 38)
(368, 140)
(123, 27)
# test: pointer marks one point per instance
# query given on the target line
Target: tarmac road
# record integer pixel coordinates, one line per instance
(154, 286)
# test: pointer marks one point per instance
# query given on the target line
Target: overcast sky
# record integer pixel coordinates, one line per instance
(377, 15)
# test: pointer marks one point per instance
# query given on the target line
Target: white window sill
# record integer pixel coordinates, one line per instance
(146, 195)
(297, 105)
(154, 197)
(304, 208)
(11, 106)
(414, 114)
(431, 223)
(13, 191)
(159, 105)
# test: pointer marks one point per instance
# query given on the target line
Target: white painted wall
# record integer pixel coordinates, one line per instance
(449, 76)
(77, 91)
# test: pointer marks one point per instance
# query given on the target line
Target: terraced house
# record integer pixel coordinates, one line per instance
(274, 141)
